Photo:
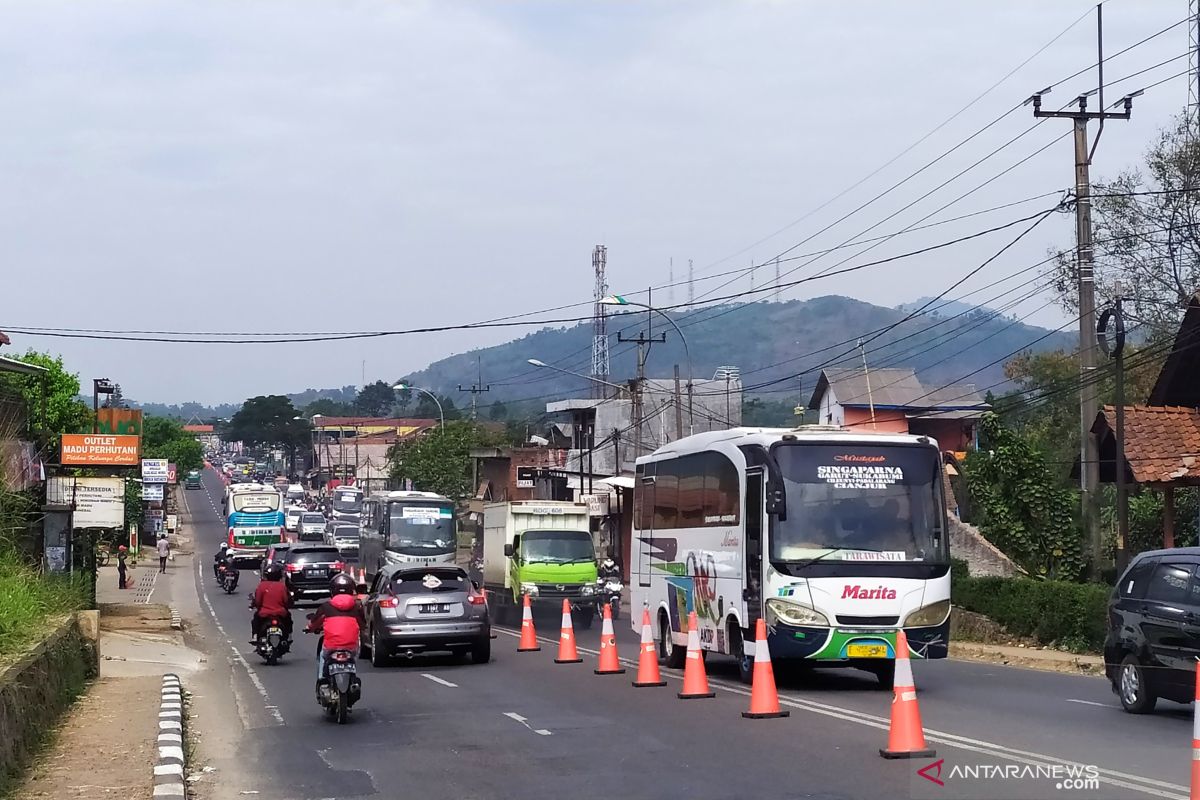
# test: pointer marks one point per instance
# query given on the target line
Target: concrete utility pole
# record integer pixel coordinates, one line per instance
(477, 389)
(1089, 472)
(643, 340)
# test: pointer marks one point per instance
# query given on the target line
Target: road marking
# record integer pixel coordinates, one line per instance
(524, 721)
(1091, 703)
(1124, 780)
(442, 681)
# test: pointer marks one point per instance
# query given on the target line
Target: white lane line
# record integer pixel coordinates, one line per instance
(1090, 703)
(524, 721)
(442, 681)
(1124, 780)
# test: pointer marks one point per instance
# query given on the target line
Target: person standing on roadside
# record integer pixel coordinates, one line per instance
(122, 554)
(164, 551)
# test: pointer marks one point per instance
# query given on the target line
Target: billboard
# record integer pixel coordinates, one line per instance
(152, 491)
(121, 421)
(99, 502)
(155, 470)
(99, 450)
(172, 474)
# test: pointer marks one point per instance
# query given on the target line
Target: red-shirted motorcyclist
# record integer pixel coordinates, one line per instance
(271, 601)
(338, 620)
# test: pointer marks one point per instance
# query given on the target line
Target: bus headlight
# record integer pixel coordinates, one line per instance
(587, 589)
(793, 613)
(529, 589)
(933, 614)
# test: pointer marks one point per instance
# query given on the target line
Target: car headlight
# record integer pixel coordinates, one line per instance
(794, 613)
(529, 589)
(587, 589)
(933, 614)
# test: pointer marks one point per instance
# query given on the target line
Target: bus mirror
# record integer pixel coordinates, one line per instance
(776, 501)
(508, 551)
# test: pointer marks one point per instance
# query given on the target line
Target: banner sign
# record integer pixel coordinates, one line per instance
(172, 474)
(99, 450)
(99, 502)
(123, 421)
(152, 491)
(155, 470)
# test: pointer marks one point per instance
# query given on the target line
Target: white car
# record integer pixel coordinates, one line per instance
(311, 527)
(291, 518)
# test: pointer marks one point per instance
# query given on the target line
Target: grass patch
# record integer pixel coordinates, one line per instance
(28, 600)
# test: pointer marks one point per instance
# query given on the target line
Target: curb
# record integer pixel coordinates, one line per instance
(168, 770)
(176, 619)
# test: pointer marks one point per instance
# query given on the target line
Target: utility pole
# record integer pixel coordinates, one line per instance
(477, 389)
(1089, 472)
(867, 375)
(678, 407)
(1114, 348)
(643, 340)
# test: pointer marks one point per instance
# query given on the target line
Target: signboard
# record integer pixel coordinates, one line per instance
(122, 421)
(172, 522)
(155, 470)
(99, 450)
(99, 502)
(154, 513)
(152, 491)
(525, 476)
(172, 474)
(597, 504)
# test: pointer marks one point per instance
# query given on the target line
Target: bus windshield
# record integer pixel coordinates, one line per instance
(256, 502)
(420, 527)
(859, 502)
(557, 547)
(347, 502)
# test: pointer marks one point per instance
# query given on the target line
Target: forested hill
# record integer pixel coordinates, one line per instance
(770, 342)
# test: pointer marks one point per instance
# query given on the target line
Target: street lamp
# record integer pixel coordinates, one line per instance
(621, 300)
(99, 386)
(542, 364)
(400, 387)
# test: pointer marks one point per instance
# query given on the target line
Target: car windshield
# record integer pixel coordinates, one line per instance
(312, 519)
(421, 526)
(857, 502)
(314, 555)
(557, 547)
(345, 533)
(251, 502)
(428, 581)
(347, 502)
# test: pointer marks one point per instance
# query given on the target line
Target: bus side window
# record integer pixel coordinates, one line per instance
(666, 495)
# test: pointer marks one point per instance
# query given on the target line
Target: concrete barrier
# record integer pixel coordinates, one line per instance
(38, 687)
(169, 767)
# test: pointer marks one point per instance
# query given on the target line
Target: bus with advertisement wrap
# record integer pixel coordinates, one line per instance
(254, 518)
(837, 538)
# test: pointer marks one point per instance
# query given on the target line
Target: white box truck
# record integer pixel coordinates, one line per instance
(542, 548)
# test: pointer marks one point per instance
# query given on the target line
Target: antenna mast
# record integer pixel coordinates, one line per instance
(599, 326)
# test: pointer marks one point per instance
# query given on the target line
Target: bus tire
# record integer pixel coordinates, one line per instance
(737, 649)
(673, 655)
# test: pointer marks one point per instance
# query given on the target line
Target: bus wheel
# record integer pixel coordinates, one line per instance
(673, 654)
(745, 663)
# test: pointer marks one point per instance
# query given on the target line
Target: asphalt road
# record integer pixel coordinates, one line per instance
(523, 726)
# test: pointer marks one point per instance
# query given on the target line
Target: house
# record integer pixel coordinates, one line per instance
(350, 448)
(895, 401)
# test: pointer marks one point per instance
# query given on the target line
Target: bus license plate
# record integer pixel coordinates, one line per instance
(867, 651)
(435, 608)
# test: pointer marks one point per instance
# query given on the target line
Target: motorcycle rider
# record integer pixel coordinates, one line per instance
(609, 569)
(222, 557)
(271, 601)
(339, 620)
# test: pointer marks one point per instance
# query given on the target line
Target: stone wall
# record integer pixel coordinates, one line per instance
(982, 557)
(37, 688)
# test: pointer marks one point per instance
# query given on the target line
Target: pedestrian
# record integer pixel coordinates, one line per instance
(164, 550)
(122, 554)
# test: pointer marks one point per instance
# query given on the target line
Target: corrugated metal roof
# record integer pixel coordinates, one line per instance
(13, 365)
(894, 388)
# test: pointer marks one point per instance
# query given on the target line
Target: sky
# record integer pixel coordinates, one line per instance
(271, 167)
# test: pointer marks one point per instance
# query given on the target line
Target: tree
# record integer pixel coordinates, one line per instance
(1021, 506)
(166, 438)
(329, 408)
(51, 398)
(376, 399)
(439, 461)
(498, 411)
(427, 409)
(268, 420)
(116, 399)
(1148, 242)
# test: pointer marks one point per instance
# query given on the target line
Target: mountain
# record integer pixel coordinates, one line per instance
(779, 347)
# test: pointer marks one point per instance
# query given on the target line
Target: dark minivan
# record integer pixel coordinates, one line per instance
(1154, 629)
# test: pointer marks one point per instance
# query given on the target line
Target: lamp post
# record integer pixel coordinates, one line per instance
(543, 365)
(620, 300)
(402, 386)
(99, 386)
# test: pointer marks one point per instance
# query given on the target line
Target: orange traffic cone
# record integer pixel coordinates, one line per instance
(764, 700)
(610, 664)
(566, 640)
(529, 642)
(695, 679)
(1195, 793)
(906, 737)
(648, 674)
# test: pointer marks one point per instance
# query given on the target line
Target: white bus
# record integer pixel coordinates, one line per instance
(406, 528)
(838, 538)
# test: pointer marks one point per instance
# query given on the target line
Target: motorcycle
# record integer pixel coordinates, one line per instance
(608, 593)
(342, 687)
(272, 644)
(227, 578)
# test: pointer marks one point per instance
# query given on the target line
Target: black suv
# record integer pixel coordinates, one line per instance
(307, 569)
(1153, 637)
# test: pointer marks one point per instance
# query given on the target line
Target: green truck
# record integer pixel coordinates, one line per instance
(540, 548)
(192, 481)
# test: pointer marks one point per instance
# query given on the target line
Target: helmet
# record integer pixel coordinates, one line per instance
(122, 548)
(609, 563)
(224, 545)
(342, 584)
(272, 572)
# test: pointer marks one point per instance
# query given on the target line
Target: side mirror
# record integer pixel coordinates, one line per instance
(508, 551)
(776, 500)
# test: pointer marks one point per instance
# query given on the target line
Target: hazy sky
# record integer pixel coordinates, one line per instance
(316, 166)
